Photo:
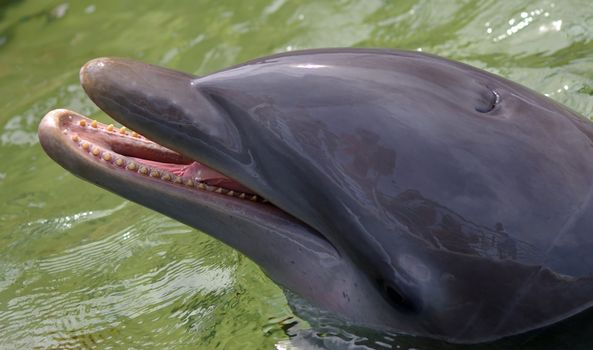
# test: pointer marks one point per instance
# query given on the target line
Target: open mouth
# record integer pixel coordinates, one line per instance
(172, 180)
(120, 149)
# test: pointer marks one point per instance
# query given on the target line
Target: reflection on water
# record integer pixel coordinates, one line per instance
(81, 268)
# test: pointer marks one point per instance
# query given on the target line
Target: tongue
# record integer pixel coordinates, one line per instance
(198, 172)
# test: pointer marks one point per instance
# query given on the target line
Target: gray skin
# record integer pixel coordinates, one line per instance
(417, 194)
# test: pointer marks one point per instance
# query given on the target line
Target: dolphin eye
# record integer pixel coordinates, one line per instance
(396, 297)
(488, 103)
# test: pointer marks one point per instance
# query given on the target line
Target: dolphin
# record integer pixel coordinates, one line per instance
(398, 191)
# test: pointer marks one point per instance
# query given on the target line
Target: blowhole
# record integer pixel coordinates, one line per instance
(489, 103)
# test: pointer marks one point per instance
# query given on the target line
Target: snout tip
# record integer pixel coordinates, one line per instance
(91, 70)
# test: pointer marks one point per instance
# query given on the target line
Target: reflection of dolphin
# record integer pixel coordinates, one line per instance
(406, 192)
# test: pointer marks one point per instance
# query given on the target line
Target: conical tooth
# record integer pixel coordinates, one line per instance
(189, 183)
(178, 180)
(253, 198)
(85, 146)
(94, 124)
(96, 151)
(110, 127)
(218, 190)
(82, 122)
(135, 134)
(230, 193)
(242, 196)
(143, 170)
(106, 156)
(263, 200)
(119, 162)
(201, 186)
(131, 166)
(122, 130)
(75, 138)
(166, 177)
(154, 173)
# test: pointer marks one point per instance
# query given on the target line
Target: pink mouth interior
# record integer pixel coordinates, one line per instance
(199, 172)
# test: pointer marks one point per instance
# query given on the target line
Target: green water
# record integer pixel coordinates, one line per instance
(82, 268)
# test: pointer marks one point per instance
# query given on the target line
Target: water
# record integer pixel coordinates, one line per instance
(82, 268)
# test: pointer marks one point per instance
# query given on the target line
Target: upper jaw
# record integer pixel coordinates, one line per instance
(167, 107)
(163, 104)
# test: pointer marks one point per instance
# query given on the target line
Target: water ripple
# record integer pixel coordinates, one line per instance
(63, 315)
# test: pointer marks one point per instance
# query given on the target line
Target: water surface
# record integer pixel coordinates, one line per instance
(82, 268)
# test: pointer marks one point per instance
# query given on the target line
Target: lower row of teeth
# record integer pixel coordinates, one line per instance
(147, 171)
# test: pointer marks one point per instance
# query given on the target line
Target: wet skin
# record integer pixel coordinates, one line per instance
(403, 191)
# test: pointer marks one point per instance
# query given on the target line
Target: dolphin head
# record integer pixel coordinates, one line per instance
(398, 190)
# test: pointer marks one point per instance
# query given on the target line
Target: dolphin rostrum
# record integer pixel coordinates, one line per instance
(397, 190)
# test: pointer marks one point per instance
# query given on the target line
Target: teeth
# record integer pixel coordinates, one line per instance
(144, 170)
(82, 122)
(94, 124)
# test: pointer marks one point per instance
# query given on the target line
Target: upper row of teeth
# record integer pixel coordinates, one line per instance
(153, 173)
